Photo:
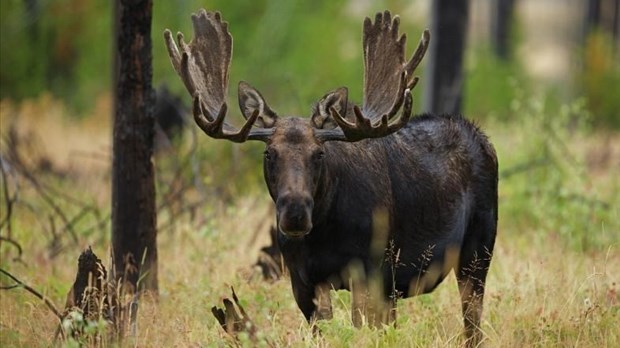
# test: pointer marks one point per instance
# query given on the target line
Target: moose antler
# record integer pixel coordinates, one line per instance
(388, 82)
(363, 127)
(203, 66)
(384, 62)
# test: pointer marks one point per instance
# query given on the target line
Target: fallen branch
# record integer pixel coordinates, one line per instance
(234, 319)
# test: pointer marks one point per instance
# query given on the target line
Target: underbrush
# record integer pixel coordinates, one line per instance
(550, 178)
(553, 279)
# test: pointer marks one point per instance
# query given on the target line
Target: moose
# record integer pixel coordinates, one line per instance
(427, 183)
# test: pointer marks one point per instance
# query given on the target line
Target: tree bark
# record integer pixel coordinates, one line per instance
(134, 235)
(444, 81)
(593, 14)
(602, 15)
(501, 22)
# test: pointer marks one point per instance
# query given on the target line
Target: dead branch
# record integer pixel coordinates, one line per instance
(234, 319)
(100, 225)
(21, 169)
(104, 157)
(18, 163)
(17, 246)
(187, 208)
(173, 199)
(8, 198)
(28, 288)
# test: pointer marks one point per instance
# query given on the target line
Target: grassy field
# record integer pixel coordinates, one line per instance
(553, 281)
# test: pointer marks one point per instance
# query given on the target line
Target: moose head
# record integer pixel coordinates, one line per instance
(295, 155)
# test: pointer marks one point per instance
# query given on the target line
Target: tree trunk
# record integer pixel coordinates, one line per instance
(593, 14)
(444, 81)
(134, 235)
(603, 15)
(501, 22)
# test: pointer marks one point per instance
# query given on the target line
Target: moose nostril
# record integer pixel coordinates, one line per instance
(294, 214)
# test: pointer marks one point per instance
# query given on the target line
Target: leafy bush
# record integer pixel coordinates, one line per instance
(544, 182)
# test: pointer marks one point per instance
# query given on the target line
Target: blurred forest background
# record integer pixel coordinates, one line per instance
(550, 104)
(294, 51)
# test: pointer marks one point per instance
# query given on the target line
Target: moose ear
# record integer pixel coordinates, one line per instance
(336, 99)
(250, 100)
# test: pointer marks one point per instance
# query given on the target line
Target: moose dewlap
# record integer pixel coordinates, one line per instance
(424, 187)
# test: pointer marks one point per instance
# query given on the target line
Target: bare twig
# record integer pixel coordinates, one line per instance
(17, 161)
(99, 156)
(9, 202)
(8, 198)
(26, 287)
(189, 207)
(47, 199)
(100, 223)
(14, 243)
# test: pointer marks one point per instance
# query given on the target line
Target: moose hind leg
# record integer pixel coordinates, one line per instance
(471, 273)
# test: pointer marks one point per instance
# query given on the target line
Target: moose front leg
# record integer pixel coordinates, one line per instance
(313, 300)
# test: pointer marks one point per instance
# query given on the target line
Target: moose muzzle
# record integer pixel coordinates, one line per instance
(294, 214)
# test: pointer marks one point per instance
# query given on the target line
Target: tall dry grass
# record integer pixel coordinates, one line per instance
(543, 290)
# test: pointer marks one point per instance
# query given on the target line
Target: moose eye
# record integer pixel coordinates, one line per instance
(319, 155)
(269, 154)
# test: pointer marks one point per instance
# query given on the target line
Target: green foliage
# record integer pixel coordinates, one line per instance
(60, 46)
(22, 72)
(552, 280)
(81, 331)
(491, 85)
(293, 51)
(544, 181)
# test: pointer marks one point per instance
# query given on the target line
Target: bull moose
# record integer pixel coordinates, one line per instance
(434, 177)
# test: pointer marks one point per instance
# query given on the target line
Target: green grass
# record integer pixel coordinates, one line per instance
(553, 280)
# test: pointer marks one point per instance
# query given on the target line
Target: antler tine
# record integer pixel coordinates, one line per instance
(384, 61)
(402, 86)
(405, 116)
(218, 129)
(203, 65)
(173, 50)
(417, 58)
(363, 128)
(388, 81)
